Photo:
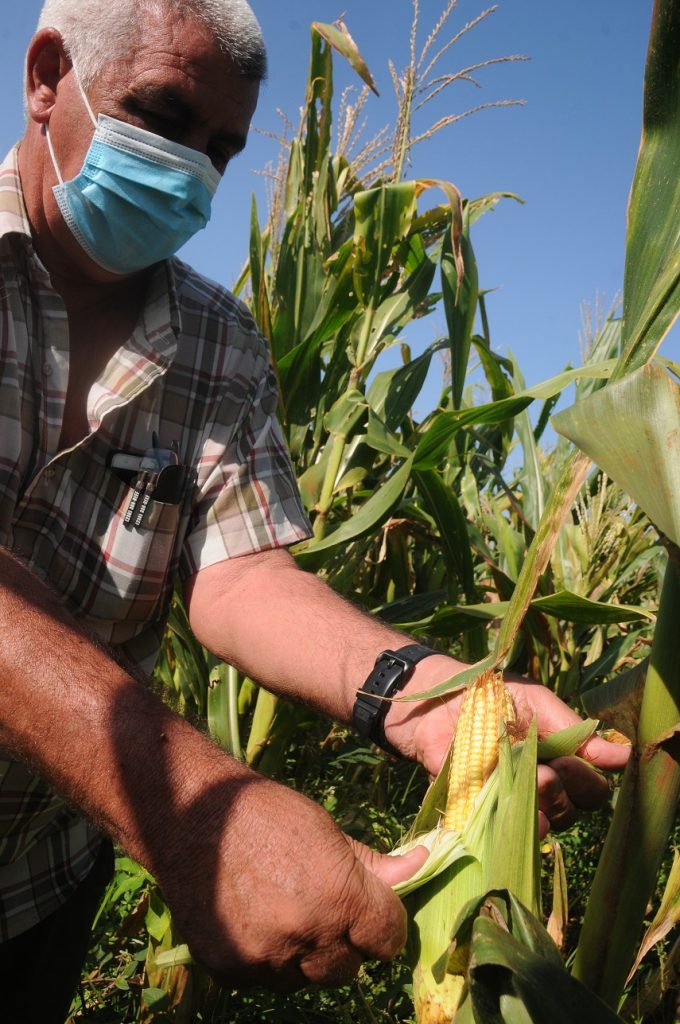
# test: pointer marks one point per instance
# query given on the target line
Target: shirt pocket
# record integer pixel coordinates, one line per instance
(70, 529)
(136, 565)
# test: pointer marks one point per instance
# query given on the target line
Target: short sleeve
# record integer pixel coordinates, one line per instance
(246, 497)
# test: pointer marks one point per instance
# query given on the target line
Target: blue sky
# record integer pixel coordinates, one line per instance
(569, 152)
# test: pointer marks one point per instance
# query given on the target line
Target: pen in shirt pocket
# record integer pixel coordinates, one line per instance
(157, 475)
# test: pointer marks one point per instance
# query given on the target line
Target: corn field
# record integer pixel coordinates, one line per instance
(478, 527)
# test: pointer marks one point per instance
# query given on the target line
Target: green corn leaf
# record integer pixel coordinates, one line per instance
(392, 313)
(436, 440)
(538, 555)
(631, 429)
(451, 620)
(606, 345)
(567, 741)
(532, 477)
(456, 207)
(644, 815)
(370, 515)
(510, 543)
(156, 999)
(381, 439)
(651, 293)
(502, 905)
(495, 369)
(218, 706)
(222, 709)
(513, 861)
(382, 217)
(443, 506)
(413, 608)
(539, 986)
(258, 253)
(354, 477)
(311, 481)
(345, 413)
(392, 393)
(460, 306)
(317, 137)
(293, 180)
(574, 608)
(175, 957)
(438, 437)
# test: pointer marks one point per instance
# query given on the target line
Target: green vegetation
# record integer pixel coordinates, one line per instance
(460, 525)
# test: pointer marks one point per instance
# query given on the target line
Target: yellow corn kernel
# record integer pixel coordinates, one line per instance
(486, 705)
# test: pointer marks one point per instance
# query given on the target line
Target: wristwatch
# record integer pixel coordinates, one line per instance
(391, 672)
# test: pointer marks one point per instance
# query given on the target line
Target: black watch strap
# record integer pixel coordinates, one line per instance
(391, 672)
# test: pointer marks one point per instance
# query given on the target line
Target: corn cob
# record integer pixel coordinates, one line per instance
(486, 706)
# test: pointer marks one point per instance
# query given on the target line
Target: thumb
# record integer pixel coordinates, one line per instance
(601, 753)
(388, 869)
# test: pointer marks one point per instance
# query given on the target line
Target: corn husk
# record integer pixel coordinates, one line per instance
(494, 847)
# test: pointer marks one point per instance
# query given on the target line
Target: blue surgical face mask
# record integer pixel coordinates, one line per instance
(138, 197)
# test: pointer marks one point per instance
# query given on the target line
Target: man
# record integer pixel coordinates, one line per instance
(138, 443)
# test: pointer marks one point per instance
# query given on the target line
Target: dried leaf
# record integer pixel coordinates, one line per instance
(666, 917)
(557, 922)
(617, 702)
(338, 37)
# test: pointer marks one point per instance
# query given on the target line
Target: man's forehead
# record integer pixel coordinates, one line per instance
(177, 38)
(176, 66)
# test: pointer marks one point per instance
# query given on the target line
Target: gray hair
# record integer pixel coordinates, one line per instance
(98, 31)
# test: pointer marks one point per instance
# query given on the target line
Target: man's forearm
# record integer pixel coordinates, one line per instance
(293, 633)
(103, 741)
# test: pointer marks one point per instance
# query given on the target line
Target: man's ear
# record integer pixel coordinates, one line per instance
(46, 65)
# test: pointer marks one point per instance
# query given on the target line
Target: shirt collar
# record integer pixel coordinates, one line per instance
(13, 216)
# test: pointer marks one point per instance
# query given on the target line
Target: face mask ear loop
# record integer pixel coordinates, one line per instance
(82, 93)
(47, 127)
(53, 157)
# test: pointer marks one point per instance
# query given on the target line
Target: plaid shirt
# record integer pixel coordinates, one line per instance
(194, 375)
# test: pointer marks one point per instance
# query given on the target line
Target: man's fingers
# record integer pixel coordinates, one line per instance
(553, 716)
(331, 967)
(543, 825)
(566, 786)
(553, 799)
(586, 788)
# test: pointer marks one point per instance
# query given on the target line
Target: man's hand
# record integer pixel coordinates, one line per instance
(567, 785)
(268, 891)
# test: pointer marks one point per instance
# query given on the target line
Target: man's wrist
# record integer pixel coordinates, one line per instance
(389, 675)
(405, 715)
